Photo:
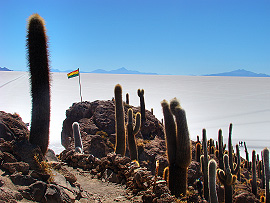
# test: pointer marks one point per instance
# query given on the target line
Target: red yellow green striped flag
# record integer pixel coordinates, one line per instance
(73, 74)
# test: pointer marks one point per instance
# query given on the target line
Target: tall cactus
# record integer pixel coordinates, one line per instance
(227, 179)
(230, 147)
(132, 132)
(254, 178)
(220, 150)
(212, 168)
(120, 147)
(247, 156)
(38, 62)
(178, 146)
(267, 173)
(142, 104)
(77, 137)
(237, 170)
(205, 168)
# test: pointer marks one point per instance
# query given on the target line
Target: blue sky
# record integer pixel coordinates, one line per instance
(191, 37)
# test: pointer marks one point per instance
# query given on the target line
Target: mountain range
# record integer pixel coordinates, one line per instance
(240, 73)
(235, 73)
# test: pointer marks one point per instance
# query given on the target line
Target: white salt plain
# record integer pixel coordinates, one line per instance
(210, 102)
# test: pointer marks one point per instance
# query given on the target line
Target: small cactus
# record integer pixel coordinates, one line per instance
(132, 132)
(227, 179)
(142, 104)
(120, 147)
(178, 146)
(212, 168)
(267, 174)
(127, 98)
(77, 137)
(38, 62)
(198, 151)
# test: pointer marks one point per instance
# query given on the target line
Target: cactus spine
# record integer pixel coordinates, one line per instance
(77, 137)
(120, 147)
(205, 168)
(212, 168)
(132, 132)
(227, 179)
(178, 146)
(254, 179)
(142, 104)
(38, 62)
(267, 174)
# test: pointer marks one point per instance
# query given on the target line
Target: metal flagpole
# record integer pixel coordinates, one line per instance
(80, 84)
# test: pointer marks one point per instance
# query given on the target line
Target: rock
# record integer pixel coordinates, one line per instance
(20, 179)
(12, 127)
(244, 196)
(8, 157)
(35, 191)
(6, 146)
(50, 156)
(17, 166)
(55, 193)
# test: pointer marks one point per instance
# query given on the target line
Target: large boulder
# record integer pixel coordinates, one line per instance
(98, 117)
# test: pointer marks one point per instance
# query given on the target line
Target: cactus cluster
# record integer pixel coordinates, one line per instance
(132, 131)
(178, 146)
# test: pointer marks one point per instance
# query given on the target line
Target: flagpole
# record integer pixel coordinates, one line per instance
(80, 84)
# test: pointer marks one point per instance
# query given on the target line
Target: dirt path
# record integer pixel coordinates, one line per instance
(99, 191)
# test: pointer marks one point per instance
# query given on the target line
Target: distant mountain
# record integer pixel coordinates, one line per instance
(121, 71)
(4, 69)
(240, 73)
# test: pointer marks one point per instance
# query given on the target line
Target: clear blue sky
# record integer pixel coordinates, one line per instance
(191, 37)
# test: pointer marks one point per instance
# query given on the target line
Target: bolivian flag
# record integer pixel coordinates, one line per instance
(73, 74)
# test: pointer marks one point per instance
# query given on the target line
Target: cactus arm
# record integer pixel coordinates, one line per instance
(38, 62)
(120, 147)
(137, 124)
(170, 132)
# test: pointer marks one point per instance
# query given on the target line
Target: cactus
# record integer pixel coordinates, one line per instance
(254, 179)
(142, 104)
(178, 146)
(120, 147)
(230, 147)
(267, 174)
(132, 132)
(198, 139)
(212, 168)
(166, 173)
(227, 179)
(263, 172)
(237, 170)
(220, 150)
(205, 168)
(127, 98)
(198, 151)
(77, 137)
(246, 151)
(38, 62)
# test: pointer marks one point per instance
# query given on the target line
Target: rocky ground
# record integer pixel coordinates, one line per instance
(98, 175)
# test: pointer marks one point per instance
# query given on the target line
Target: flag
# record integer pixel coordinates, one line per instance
(73, 73)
